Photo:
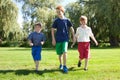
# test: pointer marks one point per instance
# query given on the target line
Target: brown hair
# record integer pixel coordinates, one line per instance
(38, 24)
(60, 8)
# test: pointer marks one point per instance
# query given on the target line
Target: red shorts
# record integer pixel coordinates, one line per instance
(84, 50)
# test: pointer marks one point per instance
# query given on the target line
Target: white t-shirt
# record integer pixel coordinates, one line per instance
(83, 34)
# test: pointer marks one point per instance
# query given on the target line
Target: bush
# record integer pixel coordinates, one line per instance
(9, 44)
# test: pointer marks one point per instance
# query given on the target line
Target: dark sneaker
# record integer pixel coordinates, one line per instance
(79, 64)
(85, 69)
(60, 67)
(65, 69)
(37, 71)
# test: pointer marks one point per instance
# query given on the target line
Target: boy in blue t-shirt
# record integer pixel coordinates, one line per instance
(36, 40)
(62, 25)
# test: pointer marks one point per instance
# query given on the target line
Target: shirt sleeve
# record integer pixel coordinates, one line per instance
(30, 37)
(77, 33)
(44, 38)
(90, 32)
(54, 25)
(69, 24)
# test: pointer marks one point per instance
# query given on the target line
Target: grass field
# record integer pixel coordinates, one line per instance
(17, 64)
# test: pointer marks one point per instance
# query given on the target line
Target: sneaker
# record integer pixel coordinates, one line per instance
(85, 69)
(60, 67)
(65, 70)
(37, 71)
(79, 64)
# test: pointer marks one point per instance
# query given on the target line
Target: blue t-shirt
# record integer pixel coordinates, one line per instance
(62, 26)
(36, 38)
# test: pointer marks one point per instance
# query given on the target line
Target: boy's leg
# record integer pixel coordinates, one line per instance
(87, 54)
(59, 53)
(60, 59)
(65, 69)
(86, 64)
(81, 53)
(64, 50)
(37, 56)
(37, 65)
(64, 58)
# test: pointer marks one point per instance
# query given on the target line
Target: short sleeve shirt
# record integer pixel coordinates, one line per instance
(36, 38)
(83, 34)
(62, 26)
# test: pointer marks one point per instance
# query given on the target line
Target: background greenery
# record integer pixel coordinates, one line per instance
(103, 16)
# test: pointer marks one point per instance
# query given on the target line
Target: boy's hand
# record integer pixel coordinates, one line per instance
(42, 42)
(96, 43)
(53, 42)
(74, 41)
(31, 44)
(72, 44)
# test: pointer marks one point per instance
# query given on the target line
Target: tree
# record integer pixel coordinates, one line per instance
(38, 11)
(9, 28)
(74, 10)
(103, 18)
(107, 16)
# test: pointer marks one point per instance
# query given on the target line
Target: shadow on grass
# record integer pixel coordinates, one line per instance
(28, 49)
(40, 72)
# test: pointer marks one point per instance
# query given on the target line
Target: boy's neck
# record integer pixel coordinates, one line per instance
(83, 26)
(38, 31)
(61, 17)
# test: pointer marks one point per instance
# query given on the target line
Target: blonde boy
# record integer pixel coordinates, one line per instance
(83, 35)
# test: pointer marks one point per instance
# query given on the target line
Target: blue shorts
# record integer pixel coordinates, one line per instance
(36, 53)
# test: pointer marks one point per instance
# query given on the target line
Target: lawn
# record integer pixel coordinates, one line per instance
(17, 64)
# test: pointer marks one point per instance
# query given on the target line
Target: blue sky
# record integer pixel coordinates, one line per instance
(65, 2)
(20, 19)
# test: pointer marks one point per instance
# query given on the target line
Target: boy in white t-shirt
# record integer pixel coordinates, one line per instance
(83, 35)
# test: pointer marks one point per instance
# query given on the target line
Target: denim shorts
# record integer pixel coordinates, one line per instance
(36, 53)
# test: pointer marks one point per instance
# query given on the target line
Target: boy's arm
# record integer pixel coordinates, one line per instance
(53, 36)
(30, 43)
(73, 35)
(44, 39)
(74, 42)
(42, 42)
(93, 38)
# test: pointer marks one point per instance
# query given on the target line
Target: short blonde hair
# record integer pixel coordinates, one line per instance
(83, 18)
(61, 8)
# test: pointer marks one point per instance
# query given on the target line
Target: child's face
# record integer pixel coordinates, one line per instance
(83, 22)
(59, 12)
(37, 28)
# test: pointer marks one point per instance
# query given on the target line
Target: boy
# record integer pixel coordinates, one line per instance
(62, 25)
(83, 35)
(36, 40)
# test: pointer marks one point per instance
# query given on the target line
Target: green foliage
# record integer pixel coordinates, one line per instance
(75, 10)
(9, 29)
(106, 14)
(38, 11)
(9, 43)
(103, 18)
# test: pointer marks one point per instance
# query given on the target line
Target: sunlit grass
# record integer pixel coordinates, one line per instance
(17, 64)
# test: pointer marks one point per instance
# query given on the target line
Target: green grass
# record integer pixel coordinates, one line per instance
(17, 64)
